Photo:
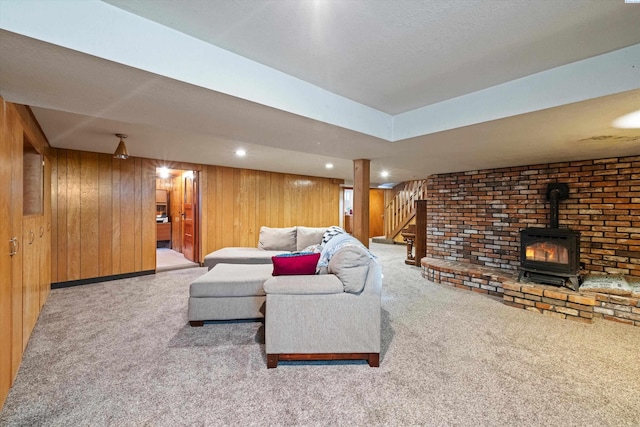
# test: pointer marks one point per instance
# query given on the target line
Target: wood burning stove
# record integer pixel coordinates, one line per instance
(551, 255)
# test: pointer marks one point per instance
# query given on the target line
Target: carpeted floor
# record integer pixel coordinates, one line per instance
(168, 259)
(121, 354)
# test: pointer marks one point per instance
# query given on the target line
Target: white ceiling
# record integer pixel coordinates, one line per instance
(418, 87)
(398, 55)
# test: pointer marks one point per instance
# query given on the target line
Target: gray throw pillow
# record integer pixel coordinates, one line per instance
(308, 236)
(351, 265)
(277, 239)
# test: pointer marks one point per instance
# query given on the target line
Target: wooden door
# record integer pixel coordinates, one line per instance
(45, 252)
(190, 216)
(14, 133)
(376, 212)
(7, 248)
(175, 208)
(31, 242)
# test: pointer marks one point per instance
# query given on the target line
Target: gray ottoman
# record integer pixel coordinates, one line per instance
(229, 291)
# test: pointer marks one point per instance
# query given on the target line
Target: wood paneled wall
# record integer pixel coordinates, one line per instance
(104, 210)
(240, 201)
(103, 216)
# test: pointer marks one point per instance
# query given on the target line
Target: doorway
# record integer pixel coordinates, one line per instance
(177, 219)
(376, 211)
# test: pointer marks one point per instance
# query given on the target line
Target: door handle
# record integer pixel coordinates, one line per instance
(32, 236)
(41, 231)
(15, 246)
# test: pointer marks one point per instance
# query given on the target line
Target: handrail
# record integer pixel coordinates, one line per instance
(401, 208)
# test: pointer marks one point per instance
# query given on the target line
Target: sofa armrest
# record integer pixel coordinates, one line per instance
(316, 284)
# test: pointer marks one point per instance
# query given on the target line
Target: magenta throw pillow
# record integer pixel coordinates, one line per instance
(295, 264)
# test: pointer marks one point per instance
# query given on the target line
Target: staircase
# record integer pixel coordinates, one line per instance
(401, 209)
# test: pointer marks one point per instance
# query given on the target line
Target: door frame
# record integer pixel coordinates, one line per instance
(199, 173)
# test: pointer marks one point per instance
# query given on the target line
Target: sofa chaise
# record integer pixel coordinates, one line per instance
(326, 316)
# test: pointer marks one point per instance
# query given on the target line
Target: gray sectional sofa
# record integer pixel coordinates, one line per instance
(232, 289)
(333, 315)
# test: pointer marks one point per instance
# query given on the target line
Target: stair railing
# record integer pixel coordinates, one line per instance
(401, 208)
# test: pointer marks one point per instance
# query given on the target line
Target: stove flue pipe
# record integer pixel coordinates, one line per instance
(553, 217)
(555, 193)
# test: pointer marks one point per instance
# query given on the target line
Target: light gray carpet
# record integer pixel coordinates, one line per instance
(168, 259)
(121, 354)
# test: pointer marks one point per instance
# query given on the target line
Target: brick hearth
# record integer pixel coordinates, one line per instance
(563, 303)
(474, 219)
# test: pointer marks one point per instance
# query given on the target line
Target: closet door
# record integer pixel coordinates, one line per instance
(45, 243)
(30, 276)
(8, 246)
(32, 234)
(14, 133)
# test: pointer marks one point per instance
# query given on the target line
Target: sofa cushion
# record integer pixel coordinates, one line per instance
(307, 236)
(307, 285)
(239, 255)
(301, 263)
(277, 239)
(231, 280)
(351, 265)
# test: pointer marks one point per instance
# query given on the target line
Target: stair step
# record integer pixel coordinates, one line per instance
(386, 241)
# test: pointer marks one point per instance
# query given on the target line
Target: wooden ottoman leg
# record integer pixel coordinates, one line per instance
(196, 323)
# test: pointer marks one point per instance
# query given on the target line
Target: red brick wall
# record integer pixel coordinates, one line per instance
(475, 216)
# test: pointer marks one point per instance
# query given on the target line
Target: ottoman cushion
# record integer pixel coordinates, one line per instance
(231, 280)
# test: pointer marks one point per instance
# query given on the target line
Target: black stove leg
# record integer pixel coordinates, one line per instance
(573, 283)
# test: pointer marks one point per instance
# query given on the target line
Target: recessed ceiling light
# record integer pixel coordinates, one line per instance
(329, 166)
(628, 121)
(384, 174)
(241, 153)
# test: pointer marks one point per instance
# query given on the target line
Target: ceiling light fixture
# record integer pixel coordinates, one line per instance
(241, 153)
(121, 151)
(329, 166)
(163, 173)
(628, 121)
(384, 174)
